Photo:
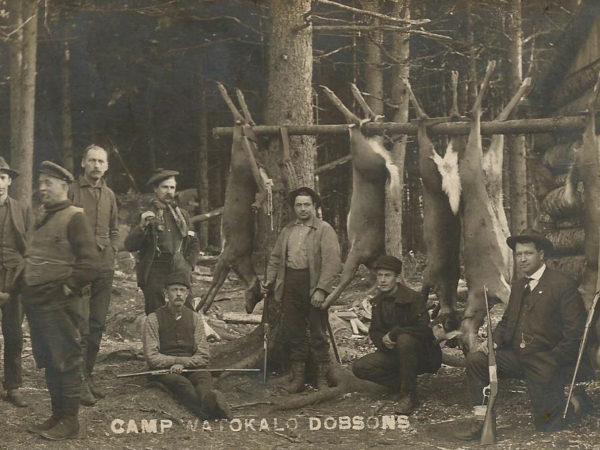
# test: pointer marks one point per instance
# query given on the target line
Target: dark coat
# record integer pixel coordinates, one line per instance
(22, 219)
(409, 316)
(145, 242)
(553, 324)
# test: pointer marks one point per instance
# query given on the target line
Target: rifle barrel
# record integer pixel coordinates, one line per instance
(166, 371)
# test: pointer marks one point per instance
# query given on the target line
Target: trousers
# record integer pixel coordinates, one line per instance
(193, 390)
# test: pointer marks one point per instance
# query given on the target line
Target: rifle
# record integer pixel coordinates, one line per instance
(588, 324)
(488, 432)
(167, 371)
(334, 346)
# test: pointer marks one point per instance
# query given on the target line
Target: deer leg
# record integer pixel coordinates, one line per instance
(348, 272)
(219, 277)
(245, 270)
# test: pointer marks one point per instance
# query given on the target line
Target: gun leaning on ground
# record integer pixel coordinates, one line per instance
(266, 329)
(167, 371)
(488, 432)
(588, 324)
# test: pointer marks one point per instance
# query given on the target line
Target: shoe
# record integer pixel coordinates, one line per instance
(87, 398)
(322, 372)
(472, 431)
(297, 381)
(66, 428)
(406, 404)
(16, 398)
(96, 392)
(47, 424)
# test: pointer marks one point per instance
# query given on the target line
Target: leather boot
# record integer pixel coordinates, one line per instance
(406, 403)
(214, 406)
(94, 388)
(297, 382)
(38, 428)
(16, 398)
(87, 398)
(66, 428)
(471, 432)
(322, 372)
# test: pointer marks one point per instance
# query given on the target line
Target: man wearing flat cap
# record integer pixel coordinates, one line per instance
(173, 338)
(60, 259)
(164, 239)
(16, 222)
(301, 272)
(537, 339)
(400, 330)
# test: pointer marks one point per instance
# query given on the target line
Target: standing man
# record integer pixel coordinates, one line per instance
(173, 338)
(400, 330)
(164, 239)
(99, 204)
(301, 270)
(15, 224)
(61, 258)
(536, 340)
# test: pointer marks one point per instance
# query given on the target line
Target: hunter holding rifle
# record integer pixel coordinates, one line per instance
(164, 239)
(537, 339)
(173, 338)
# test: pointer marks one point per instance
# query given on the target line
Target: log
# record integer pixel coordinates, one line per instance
(557, 205)
(518, 126)
(570, 265)
(559, 157)
(568, 241)
(569, 222)
(242, 318)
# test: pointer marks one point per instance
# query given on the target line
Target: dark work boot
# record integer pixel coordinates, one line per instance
(87, 398)
(322, 372)
(296, 383)
(407, 403)
(471, 432)
(66, 428)
(214, 406)
(94, 388)
(38, 428)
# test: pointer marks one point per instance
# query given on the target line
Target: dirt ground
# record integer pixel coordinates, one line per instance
(136, 415)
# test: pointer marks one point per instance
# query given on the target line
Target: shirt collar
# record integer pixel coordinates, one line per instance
(312, 224)
(538, 273)
(83, 182)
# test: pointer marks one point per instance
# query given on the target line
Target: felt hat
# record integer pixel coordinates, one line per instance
(161, 174)
(179, 276)
(54, 170)
(531, 235)
(388, 262)
(304, 190)
(5, 168)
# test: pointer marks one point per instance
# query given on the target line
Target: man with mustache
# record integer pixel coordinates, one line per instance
(164, 239)
(99, 204)
(173, 338)
(15, 224)
(60, 259)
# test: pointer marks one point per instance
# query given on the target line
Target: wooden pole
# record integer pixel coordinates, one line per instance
(522, 126)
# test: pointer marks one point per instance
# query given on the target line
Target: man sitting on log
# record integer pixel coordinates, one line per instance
(400, 330)
(173, 338)
(536, 340)
(301, 270)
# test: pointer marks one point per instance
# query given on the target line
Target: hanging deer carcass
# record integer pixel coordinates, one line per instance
(372, 168)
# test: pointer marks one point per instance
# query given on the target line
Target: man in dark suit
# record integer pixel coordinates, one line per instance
(15, 224)
(537, 339)
(400, 331)
(164, 239)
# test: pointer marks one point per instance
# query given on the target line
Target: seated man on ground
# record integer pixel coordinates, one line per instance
(400, 330)
(173, 338)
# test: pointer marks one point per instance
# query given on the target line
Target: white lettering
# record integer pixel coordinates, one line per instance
(388, 422)
(358, 423)
(149, 426)
(237, 426)
(329, 423)
(206, 426)
(372, 422)
(249, 425)
(344, 423)
(132, 427)
(165, 424)
(403, 423)
(275, 427)
(116, 426)
(264, 425)
(294, 424)
(314, 423)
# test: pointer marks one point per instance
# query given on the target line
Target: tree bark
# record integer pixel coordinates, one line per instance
(16, 58)
(68, 160)
(22, 158)
(373, 72)
(516, 144)
(203, 185)
(401, 51)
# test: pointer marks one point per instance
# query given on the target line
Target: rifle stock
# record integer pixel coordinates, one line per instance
(488, 432)
(167, 371)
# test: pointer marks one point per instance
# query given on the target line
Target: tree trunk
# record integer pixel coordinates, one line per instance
(67, 131)
(16, 58)
(203, 194)
(516, 144)
(400, 50)
(22, 158)
(373, 72)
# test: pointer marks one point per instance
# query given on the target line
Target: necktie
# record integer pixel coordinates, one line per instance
(527, 289)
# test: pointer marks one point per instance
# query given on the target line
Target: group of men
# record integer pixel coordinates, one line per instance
(46, 264)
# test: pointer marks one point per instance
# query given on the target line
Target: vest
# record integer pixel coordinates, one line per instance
(176, 337)
(49, 257)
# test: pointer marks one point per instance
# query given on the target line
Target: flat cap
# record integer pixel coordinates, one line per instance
(304, 190)
(179, 276)
(388, 262)
(531, 235)
(54, 170)
(161, 174)
(5, 168)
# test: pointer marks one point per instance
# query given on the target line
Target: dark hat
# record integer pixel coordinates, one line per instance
(530, 235)
(161, 174)
(304, 190)
(54, 170)
(388, 262)
(5, 168)
(179, 277)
